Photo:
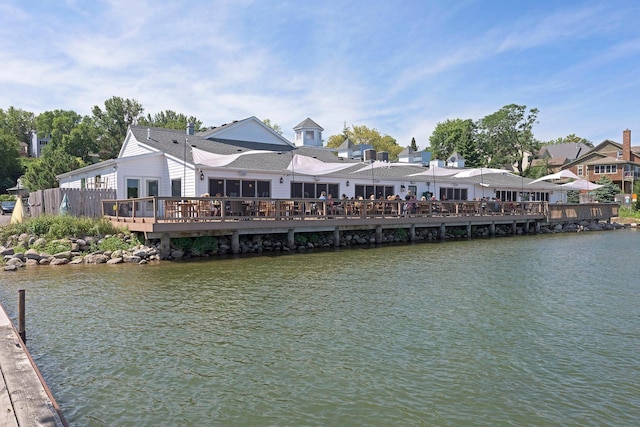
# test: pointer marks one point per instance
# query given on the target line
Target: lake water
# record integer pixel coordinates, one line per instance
(537, 330)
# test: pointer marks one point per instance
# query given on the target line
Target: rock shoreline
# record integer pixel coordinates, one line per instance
(16, 256)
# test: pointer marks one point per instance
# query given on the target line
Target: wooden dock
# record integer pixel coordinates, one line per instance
(25, 399)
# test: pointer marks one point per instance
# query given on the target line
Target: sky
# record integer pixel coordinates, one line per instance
(400, 67)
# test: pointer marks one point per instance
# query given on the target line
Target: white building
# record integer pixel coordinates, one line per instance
(246, 158)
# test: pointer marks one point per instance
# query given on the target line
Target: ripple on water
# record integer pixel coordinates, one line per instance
(511, 331)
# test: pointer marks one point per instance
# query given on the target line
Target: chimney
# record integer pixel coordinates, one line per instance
(626, 145)
(190, 130)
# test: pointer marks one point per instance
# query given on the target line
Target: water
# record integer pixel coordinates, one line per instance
(540, 330)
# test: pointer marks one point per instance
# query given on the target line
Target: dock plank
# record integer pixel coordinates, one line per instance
(31, 403)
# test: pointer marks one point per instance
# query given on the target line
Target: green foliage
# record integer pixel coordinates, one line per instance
(506, 134)
(276, 127)
(629, 213)
(458, 136)
(113, 122)
(414, 145)
(169, 119)
(59, 227)
(56, 246)
(196, 245)
(300, 239)
(41, 174)
(401, 233)
(17, 123)
(573, 196)
(607, 193)
(570, 138)
(114, 243)
(10, 167)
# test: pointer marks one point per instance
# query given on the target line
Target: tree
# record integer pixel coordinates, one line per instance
(506, 135)
(169, 119)
(570, 138)
(456, 135)
(41, 174)
(363, 135)
(10, 168)
(113, 122)
(413, 145)
(606, 194)
(17, 123)
(276, 127)
(573, 196)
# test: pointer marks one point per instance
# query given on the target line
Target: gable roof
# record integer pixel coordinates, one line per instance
(567, 150)
(307, 123)
(242, 129)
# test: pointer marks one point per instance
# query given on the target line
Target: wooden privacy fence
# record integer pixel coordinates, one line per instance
(85, 202)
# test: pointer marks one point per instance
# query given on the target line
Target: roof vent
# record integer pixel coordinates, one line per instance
(148, 133)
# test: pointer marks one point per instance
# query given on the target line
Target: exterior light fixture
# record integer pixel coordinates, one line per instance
(201, 176)
(281, 180)
(402, 188)
(347, 183)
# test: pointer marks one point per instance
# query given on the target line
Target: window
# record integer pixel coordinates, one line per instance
(453, 193)
(133, 188)
(309, 134)
(580, 170)
(239, 188)
(248, 189)
(298, 134)
(379, 191)
(152, 187)
(216, 186)
(232, 188)
(507, 196)
(83, 183)
(176, 187)
(603, 169)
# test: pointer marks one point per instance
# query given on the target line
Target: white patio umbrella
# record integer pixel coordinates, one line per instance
(558, 175)
(469, 173)
(434, 171)
(581, 184)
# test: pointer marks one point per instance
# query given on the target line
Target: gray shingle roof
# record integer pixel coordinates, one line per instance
(307, 123)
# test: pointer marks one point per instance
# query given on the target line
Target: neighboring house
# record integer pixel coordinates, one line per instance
(408, 155)
(455, 160)
(618, 162)
(554, 156)
(37, 144)
(246, 158)
(349, 150)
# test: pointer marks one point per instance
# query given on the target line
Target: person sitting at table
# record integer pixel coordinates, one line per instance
(217, 205)
(331, 208)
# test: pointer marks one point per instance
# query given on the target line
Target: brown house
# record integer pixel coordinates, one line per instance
(619, 162)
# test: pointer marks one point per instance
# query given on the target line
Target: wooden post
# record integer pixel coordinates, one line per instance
(291, 238)
(21, 307)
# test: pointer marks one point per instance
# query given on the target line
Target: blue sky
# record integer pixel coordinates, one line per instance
(397, 66)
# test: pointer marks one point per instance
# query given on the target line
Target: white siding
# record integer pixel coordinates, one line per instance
(133, 148)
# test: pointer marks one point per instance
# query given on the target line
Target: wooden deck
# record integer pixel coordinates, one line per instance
(25, 399)
(174, 217)
(196, 217)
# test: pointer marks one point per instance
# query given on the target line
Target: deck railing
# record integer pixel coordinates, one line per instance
(582, 211)
(176, 209)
